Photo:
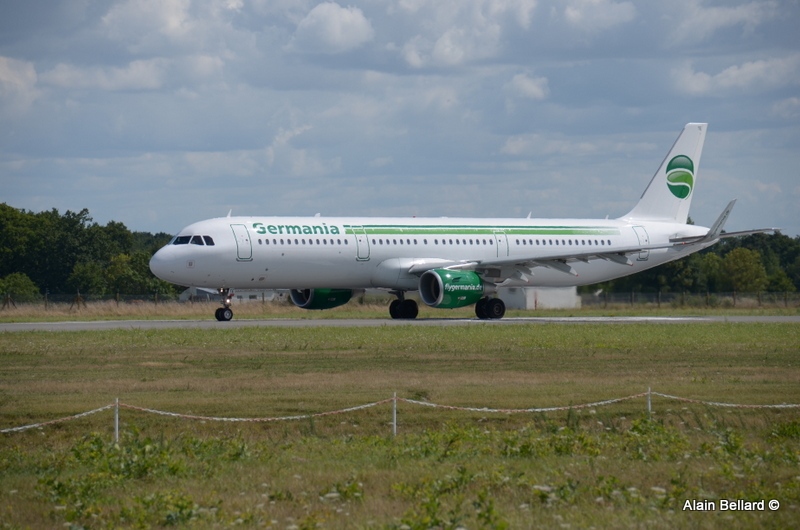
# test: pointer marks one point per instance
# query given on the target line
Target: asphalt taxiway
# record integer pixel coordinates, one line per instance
(98, 325)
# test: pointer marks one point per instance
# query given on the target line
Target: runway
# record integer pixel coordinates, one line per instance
(99, 325)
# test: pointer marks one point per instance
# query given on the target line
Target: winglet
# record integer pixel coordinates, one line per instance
(716, 229)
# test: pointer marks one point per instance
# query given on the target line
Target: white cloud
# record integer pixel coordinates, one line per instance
(763, 74)
(524, 86)
(787, 108)
(330, 28)
(456, 32)
(538, 145)
(137, 75)
(135, 21)
(696, 23)
(598, 15)
(17, 84)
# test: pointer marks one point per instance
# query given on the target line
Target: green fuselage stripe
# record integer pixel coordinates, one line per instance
(481, 230)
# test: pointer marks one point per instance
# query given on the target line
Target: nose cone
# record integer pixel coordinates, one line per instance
(162, 264)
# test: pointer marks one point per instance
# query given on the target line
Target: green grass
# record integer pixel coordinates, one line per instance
(609, 466)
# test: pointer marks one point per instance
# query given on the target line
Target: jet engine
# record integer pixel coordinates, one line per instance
(320, 298)
(450, 289)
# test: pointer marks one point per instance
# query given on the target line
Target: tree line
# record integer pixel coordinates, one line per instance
(50, 252)
(751, 264)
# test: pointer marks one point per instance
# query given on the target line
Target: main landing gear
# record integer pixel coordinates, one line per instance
(490, 308)
(402, 308)
(225, 313)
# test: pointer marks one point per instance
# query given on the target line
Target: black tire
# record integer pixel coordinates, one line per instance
(394, 309)
(495, 308)
(480, 309)
(226, 314)
(218, 314)
(409, 309)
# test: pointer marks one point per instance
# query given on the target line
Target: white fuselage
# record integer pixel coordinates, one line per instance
(360, 253)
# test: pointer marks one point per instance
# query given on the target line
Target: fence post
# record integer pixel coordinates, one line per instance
(394, 415)
(649, 404)
(116, 421)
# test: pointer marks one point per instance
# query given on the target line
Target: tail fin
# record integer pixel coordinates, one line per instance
(669, 194)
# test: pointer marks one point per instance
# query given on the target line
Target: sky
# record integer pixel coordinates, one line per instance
(160, 113)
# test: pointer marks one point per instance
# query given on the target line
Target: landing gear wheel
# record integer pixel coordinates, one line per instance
(490, 308)
(403, 309)
(409, 309)
(224, 314)
(394, 309)
(495, 308)
(480, 309)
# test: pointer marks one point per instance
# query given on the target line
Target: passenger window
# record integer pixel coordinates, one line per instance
(208, 240)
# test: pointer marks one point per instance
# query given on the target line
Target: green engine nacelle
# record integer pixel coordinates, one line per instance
(320, 298)
(450, 289)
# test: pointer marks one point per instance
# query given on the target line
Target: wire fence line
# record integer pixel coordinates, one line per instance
(394, 401)
(601, 298)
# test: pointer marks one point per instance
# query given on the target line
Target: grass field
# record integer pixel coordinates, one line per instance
(373, 307)
(603, 467)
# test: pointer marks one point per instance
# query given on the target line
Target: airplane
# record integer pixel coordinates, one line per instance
(451, 262)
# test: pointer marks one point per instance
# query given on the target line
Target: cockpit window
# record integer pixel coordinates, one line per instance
(194, 240)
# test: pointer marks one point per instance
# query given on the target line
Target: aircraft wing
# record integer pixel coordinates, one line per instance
(517, 271)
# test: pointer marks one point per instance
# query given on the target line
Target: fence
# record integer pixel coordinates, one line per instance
(394, 400)
(717, 300)
(604, 300)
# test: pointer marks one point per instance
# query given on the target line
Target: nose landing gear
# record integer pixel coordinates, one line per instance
(225, 313)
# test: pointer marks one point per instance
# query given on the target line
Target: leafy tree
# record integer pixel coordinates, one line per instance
(19, 287)
(779, 282)
(710, 273)
(743, 270)
(88, 277)
(70, 252)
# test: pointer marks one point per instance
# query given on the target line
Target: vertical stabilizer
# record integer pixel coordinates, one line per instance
(669, 194)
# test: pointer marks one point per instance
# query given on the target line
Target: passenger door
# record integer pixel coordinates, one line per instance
(244, 246)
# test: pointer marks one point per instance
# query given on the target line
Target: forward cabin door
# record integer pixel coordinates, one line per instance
(244, 246)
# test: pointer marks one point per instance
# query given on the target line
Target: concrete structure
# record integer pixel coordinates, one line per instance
(196, 294)
(540, 297)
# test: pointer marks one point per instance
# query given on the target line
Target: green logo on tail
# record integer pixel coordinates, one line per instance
(680, 176)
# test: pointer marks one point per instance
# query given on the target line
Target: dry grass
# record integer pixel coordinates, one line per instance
(367, 307)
